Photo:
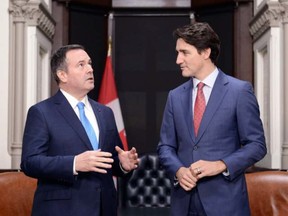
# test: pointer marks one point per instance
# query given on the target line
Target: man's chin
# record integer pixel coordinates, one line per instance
(90, 87)
(185, 74)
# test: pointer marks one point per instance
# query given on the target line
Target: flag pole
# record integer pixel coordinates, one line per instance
(108, 92)
(110, 27)
(110, 24)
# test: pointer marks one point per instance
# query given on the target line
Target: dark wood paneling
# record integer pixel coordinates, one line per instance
(198, 4)
(104, 3)
(88, 26)
(194, 4)
(243, 50)
(221, 19)
(151, 3)
(145, 70)
(60, 14)
(144, 54)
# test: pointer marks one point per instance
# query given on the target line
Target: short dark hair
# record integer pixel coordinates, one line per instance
(201, 36)
(58, 59)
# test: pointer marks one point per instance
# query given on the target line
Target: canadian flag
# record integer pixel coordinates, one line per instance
(109, 97)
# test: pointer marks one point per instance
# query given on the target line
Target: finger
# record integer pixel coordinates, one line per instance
(184, 187)
(191, 182)
(187, 187)
(194, 171)
(103, 165)
(99, 170)
(118, 149)
(133, 150)
(137, 162)
(104, 160)
(133, 157)
(133, 154)
(102, 154)
(190, 178)
(200, 176)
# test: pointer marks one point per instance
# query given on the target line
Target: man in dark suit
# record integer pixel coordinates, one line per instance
(73, 178)
(207, 158)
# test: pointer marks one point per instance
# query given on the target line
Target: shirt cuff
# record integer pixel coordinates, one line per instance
(175, 181)
(124, 171)
(226, 173)
(74, 170)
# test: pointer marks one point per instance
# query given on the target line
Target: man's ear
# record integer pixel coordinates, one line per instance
(62, 75)
(206, 53)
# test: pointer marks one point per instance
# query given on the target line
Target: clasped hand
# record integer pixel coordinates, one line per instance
(189, 176)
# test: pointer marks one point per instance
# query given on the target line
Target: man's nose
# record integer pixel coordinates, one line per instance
(89, 67)
(179, 60)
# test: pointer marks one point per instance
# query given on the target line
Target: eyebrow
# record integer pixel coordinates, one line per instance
(182, 50)
(83, 61)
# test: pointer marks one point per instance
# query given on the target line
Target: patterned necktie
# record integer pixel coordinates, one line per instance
(199, 107)
(87, 125)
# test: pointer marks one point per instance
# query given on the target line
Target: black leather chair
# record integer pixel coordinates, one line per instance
(147, 192)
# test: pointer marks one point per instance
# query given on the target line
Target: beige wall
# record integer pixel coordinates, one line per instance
(5, 159)
(27, 29)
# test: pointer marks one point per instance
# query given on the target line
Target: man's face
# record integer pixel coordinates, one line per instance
(192, 63)
(78, 80)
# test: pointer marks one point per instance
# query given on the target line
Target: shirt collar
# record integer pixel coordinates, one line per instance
(73, 101)
(208, 81)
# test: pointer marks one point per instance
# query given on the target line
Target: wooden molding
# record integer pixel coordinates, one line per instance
(151, 3)
(103, 3)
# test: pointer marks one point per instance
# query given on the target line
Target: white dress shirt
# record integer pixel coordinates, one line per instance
(207, 89)
(88, 112)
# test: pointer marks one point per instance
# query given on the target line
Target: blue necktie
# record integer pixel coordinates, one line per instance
(87, 125)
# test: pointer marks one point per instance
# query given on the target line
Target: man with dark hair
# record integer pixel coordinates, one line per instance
(211, 131)
(72, 146)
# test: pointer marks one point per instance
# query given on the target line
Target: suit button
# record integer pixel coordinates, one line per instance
(195, 147)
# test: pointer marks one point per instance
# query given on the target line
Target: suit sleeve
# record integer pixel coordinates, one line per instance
(35, 160)
(167, 147)
(251, 134)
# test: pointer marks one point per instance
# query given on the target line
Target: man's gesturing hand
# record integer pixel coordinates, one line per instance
(128, 159)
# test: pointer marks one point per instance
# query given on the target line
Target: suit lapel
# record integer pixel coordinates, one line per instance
(63, 107)
(186, 100)
(218, 92)
(100, 120)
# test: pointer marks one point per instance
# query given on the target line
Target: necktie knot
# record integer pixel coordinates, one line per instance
(80, 105)
(200, 85)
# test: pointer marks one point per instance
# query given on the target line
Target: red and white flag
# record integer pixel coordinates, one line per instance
(109, 97)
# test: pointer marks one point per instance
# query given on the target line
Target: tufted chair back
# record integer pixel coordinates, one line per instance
(148, 186)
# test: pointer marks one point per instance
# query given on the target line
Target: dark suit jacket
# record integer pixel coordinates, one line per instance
(53, 136)
(231, 130)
